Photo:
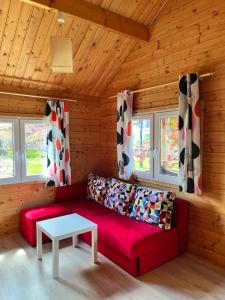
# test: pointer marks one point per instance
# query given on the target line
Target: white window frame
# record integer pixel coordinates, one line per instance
(157, 134)
(154, 173)
(16, 150)
(19, 149)
(147, 174)
(24, 177)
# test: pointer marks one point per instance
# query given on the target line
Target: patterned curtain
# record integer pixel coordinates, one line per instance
(58, 153)
(124, 134)
(190, 174)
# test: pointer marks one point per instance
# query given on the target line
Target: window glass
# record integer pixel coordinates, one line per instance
(23, 149)
(35, 148)
(169, 146)
(6, 150)
(155, 146)
(142, 144)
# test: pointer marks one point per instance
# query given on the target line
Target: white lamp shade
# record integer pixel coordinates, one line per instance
(61, 51)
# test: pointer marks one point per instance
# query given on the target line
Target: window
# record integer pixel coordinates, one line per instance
(9, 147)
(23, 150)
(155, 146)
(143, 144)
(166, 146)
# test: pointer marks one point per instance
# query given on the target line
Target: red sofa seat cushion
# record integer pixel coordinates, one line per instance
(29, 217)
(86, 208)
(131, 237)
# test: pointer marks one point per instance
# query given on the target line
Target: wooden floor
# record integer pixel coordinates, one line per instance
(22, 277)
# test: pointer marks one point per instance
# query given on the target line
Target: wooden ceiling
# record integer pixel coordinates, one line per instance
(98, 52)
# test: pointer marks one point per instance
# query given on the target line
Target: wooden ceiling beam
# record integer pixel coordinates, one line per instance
(98, 15)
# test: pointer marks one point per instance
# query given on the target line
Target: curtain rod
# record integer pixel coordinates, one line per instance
(36, 96)
(162, 85)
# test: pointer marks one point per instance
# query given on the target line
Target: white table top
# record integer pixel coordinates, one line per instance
(66, 226)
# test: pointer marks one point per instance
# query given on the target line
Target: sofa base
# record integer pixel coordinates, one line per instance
(126, 263)
(156, 258)
(139, 265)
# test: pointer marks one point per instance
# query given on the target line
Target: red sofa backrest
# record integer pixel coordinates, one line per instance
(75, 191)
(180, 219)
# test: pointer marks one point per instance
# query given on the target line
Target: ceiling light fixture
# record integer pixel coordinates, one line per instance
(61, 50)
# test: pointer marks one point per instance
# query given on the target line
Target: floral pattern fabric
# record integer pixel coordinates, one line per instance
(154, 207)
(96, 188)
(190, 174)
(58, 147)
(124, 134)
(120, 196)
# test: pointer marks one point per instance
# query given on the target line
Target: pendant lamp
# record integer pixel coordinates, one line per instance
(61, 51)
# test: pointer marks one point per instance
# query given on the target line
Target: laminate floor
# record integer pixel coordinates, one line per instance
(23, 277)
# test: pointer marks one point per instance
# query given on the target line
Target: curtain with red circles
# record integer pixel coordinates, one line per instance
(124, 134)
(58, 147)
(190, 172)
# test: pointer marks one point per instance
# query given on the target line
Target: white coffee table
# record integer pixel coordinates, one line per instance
(61, 228)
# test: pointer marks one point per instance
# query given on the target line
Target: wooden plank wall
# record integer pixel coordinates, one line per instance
(84, 139)
(188, 36)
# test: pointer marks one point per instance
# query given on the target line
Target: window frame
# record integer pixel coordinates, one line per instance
(24, 177)
(19, 149)
(147, 174)
(16, 150)
(157, 133)
(154, 173)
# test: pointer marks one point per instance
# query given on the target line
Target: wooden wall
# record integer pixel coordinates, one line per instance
(84, 139)
(188, 36)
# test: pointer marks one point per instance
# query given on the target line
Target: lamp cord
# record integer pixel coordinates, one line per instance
(156, 15)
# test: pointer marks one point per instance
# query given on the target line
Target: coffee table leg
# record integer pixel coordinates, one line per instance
(75, 241)
(39, 242)
(55, 261)
(94, 239)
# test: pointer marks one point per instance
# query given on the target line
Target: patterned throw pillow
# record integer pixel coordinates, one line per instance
(120, 196)
(96, 188)
(153, 206)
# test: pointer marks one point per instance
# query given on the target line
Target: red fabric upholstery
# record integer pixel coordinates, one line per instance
(72, 192)
(86, 208)
(30, 216)
(121, 259)
(181, 223)
(131, 237)
(157, 257)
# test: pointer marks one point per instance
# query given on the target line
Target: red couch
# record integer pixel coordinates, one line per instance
(135, 246)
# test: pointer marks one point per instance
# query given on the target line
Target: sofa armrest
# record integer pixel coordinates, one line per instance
(181, 222)
(74, 191)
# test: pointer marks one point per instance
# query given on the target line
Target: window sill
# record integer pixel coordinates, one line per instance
(157, 184)
(38, 181)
